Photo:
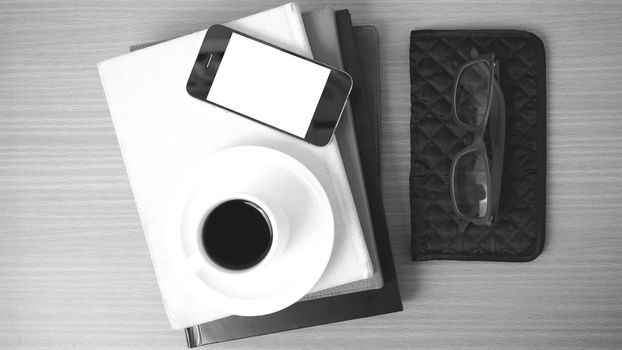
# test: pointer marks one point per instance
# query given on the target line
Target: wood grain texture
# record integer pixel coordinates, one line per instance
(74, 267)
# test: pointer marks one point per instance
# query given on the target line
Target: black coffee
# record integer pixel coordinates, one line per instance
(237, 234)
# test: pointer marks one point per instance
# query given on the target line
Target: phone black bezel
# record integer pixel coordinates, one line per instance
(329, 108)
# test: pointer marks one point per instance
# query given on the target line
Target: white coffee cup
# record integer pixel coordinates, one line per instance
(197, 210)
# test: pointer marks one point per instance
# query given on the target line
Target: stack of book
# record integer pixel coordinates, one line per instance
(160, 138)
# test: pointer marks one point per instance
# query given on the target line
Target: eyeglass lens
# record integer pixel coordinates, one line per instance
(471, 184)
(473, 93)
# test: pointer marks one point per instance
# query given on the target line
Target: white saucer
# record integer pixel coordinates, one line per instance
(261, 173)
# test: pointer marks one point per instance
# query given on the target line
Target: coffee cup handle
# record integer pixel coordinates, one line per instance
(192, 265)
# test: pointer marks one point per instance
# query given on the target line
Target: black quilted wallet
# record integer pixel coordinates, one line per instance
(517, 233)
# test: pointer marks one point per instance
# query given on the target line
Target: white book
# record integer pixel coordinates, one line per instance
(163, 132)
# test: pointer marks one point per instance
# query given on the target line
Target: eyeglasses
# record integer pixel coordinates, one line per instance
(478, 102)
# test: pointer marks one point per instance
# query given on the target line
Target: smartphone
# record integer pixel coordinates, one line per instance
(272, 86)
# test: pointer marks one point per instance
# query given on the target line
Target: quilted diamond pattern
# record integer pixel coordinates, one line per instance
(518, 231)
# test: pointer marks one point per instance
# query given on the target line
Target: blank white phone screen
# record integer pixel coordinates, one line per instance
(268, 85)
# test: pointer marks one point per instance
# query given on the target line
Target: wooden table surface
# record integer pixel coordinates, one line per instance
(74, 268)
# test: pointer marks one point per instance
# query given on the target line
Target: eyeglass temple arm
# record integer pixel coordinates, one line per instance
(497, 140)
